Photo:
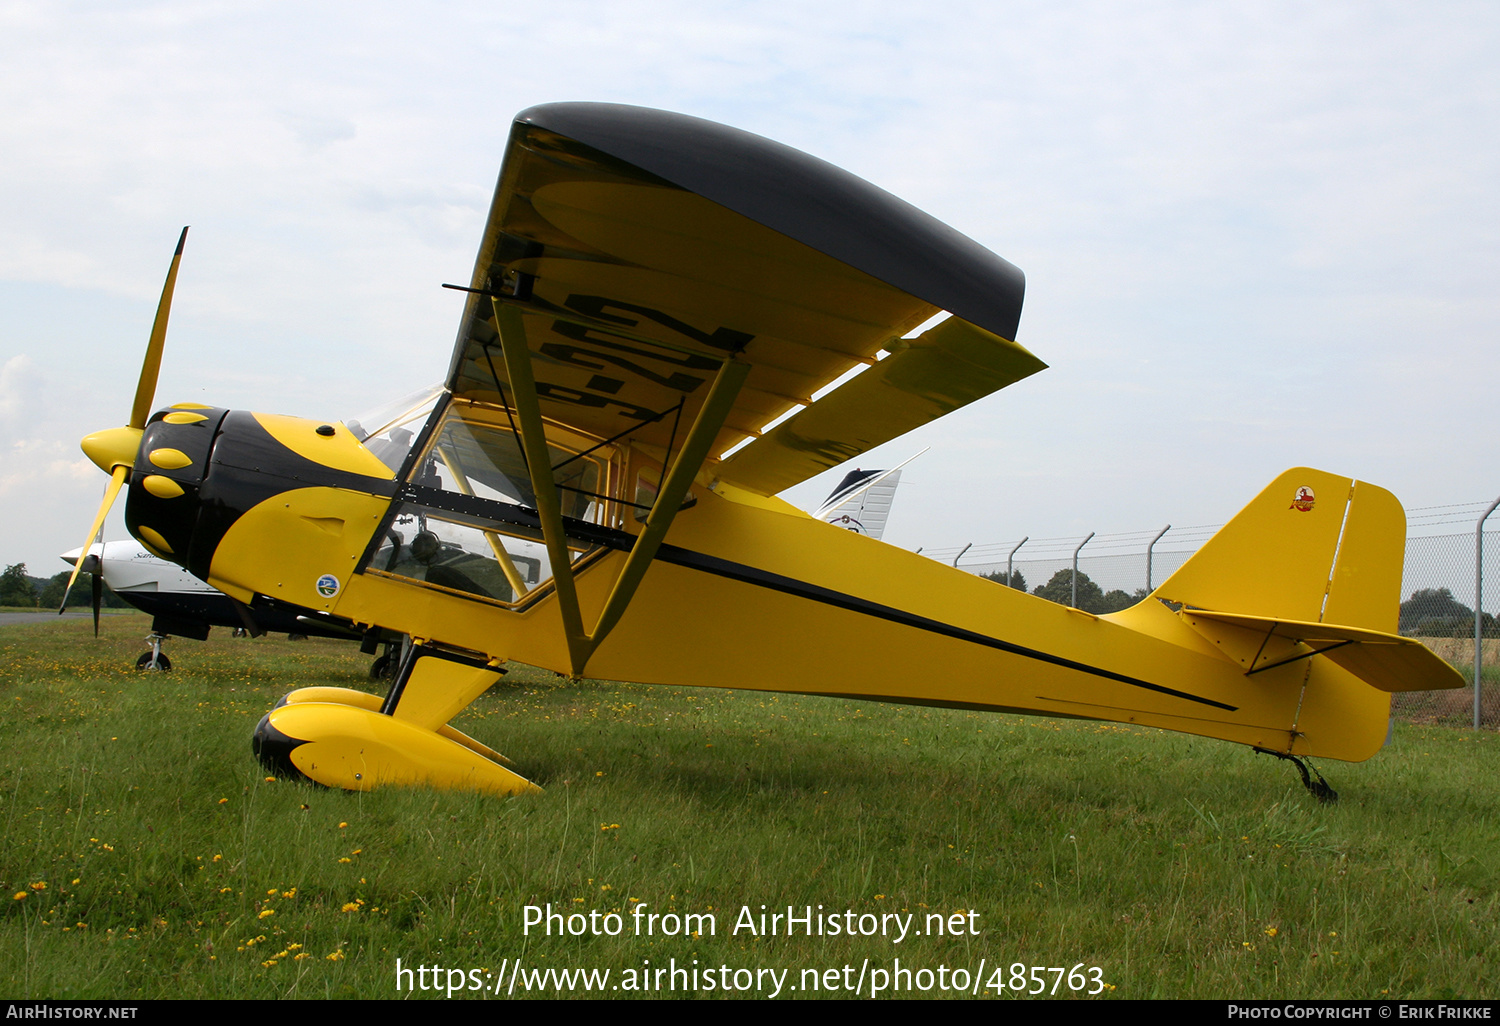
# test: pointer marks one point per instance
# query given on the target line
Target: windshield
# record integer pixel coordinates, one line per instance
(389, 429)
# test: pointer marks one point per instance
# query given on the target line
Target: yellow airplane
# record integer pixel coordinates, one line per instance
(669, 322)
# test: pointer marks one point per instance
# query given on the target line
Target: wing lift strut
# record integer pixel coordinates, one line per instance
(582, 643)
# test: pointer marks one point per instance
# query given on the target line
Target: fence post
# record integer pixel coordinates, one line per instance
(1163, 531)
(960, 555)
(1010, 562)
(1076, 551)
(1479, 604)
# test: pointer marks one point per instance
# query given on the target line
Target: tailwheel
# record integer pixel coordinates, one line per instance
(1319, 790)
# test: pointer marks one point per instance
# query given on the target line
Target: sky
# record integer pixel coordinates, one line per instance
(1255, 235)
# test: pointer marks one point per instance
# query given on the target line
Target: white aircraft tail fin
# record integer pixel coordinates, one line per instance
(862, 501)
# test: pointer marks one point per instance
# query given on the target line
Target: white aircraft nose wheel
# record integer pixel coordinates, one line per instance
(155, 659)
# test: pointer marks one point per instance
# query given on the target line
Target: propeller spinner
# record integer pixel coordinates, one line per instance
(113, 450)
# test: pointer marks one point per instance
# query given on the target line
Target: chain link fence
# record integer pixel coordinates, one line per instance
(1438, 583)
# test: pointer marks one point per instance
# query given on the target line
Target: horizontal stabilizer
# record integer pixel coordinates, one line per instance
(1385, 661)
(1311, 567)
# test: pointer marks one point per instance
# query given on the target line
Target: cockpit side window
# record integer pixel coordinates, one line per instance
(468, 522)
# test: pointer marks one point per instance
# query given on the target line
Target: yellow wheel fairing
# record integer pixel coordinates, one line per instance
(356, 749)
(365, 700)
(336, 696)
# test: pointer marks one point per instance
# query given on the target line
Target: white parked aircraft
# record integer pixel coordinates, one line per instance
(183, 606)
(862, 501)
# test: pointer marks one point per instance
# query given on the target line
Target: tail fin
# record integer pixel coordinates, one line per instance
(1313, 562)
(862, 501)
(1311, 544)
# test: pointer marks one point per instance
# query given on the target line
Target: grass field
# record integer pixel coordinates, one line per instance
(144, 854)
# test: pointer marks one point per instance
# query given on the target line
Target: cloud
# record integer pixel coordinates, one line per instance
(36, 466)
(20, 391)
(1239, 222)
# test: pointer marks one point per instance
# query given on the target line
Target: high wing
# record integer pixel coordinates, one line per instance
(643, 251)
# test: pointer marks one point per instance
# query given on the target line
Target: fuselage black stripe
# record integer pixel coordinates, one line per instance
(595, 534)
(791, 586)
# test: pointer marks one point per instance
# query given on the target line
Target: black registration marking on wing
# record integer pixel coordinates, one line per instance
(724, 339)
(580, 356)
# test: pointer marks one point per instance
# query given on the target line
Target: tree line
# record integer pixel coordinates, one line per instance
(1430, 612)
(1091, 597)
(18, 588)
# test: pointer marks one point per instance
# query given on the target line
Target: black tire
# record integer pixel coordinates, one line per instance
(162, 662)
(380, 668)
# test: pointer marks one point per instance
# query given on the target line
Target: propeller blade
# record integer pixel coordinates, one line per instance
(145, 389)
(96, 589)
(111, 491)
